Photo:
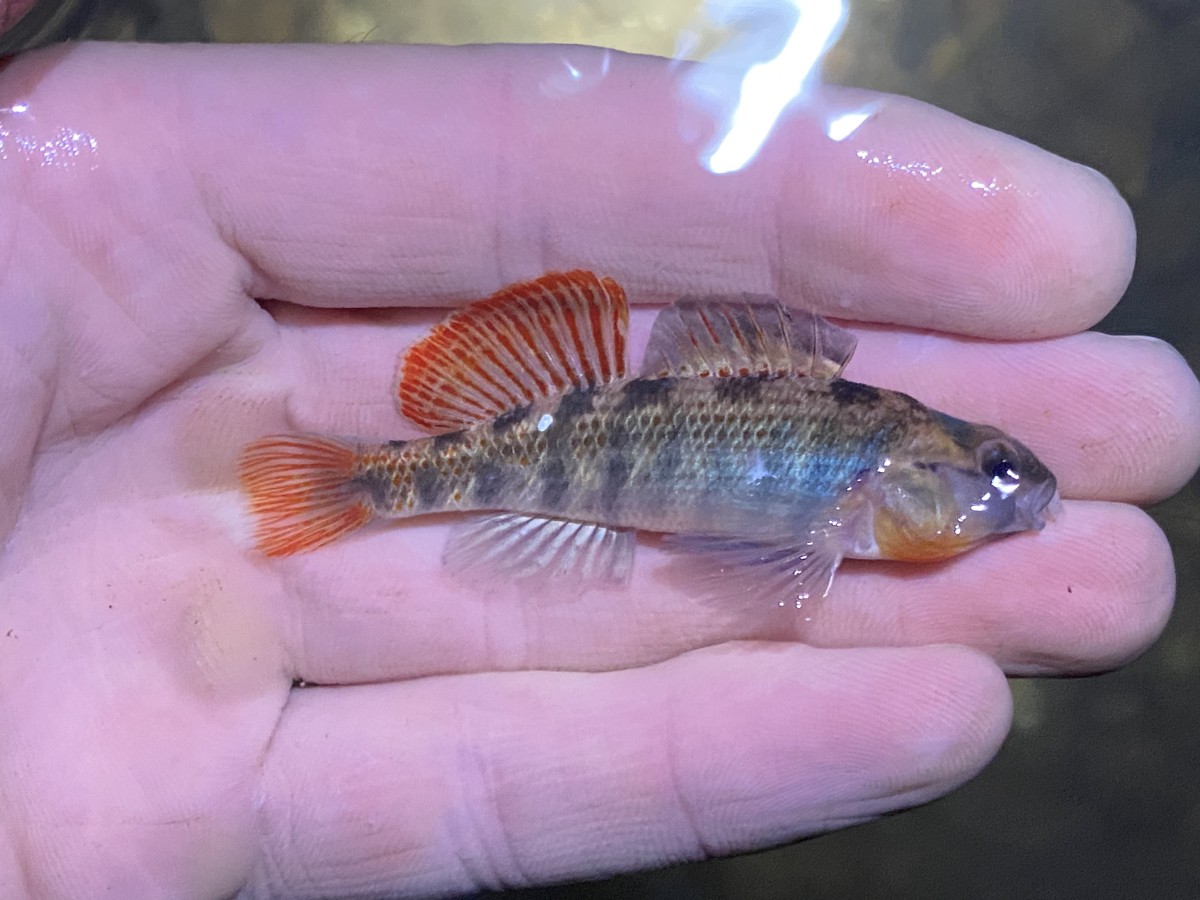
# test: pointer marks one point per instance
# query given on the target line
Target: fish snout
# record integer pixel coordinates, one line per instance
(1044, 504)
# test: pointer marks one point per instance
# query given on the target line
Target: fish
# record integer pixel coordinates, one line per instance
(738, 440)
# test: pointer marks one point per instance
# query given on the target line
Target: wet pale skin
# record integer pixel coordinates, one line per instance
(153, 744)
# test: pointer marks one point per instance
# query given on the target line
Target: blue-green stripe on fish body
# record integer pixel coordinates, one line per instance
(714, 455)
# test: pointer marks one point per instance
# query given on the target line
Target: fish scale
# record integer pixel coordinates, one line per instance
(662, 455)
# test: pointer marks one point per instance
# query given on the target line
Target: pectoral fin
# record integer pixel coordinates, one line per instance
(783, 572)
(516, 547)
(741, 335)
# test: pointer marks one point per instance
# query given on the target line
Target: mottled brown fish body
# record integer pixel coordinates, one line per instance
(740, 439)
(730, 455)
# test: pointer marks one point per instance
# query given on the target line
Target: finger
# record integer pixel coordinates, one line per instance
(378, 176)
(460, 784)
(1089, 593)
(1095, 408)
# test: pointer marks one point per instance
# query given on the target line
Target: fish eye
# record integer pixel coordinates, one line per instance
(999, 465)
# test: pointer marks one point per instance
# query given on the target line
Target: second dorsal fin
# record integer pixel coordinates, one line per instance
(561, 332)
(744, 334)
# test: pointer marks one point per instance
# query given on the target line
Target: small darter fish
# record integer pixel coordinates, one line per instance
(738, 438)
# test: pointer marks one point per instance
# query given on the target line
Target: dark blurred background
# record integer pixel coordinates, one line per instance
(1097, 792)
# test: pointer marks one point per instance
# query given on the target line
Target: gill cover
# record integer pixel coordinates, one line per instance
(932, 510)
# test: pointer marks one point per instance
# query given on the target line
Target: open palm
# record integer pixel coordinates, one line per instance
(454, 736)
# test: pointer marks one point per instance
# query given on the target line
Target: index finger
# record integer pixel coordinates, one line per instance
(352, 176)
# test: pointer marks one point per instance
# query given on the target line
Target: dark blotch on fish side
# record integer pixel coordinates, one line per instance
(508, 419)
(573, 405)
(554, 482)
(427, 485)
(442, 441)
(377, 486)
(738, 389)
(615, 477)
(851, 392)
(489, 482)
(645, 392)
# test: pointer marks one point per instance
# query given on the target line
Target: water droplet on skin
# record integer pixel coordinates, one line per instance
(571, 76)
(987, 187)
(62, 147)
(924, 171)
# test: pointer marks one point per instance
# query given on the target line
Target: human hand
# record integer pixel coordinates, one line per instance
(462, 738)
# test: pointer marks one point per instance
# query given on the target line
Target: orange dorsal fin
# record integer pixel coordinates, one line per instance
(301, 492)
(564, 331)
(742, 335)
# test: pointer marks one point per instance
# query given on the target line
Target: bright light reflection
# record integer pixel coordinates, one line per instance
(576, 75)
(1006, 488)
(768, 87)
(842, 126)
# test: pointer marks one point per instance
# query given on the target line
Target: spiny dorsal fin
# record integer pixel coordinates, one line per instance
(744, 334)
(561, 332)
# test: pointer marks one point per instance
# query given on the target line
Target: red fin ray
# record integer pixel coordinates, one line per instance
(301, 492)
(561, 332)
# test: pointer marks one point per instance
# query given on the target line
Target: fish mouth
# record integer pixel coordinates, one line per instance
(1046, 504)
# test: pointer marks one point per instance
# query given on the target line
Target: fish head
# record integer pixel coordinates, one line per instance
(970, 483)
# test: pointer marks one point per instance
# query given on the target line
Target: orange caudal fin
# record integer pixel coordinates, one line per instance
(564, 331)
(301, 492)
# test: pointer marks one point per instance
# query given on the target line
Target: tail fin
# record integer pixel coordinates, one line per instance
(301, 491)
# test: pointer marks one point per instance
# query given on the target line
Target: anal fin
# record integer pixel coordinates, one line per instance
(518, 547)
